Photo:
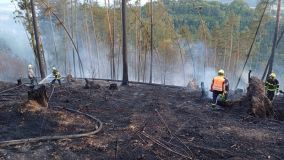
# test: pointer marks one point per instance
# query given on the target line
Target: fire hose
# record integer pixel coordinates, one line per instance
(99, 126)
(69, 136)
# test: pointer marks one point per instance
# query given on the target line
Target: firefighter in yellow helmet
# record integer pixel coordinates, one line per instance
(56, 75)
(218, 86)
(271, 86)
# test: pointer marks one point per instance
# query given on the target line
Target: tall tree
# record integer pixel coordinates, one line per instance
(39, 49)
(124, 44)
(151, 42)
(113, 40)
(275, 37)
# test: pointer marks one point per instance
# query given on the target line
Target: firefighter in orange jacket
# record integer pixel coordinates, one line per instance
(218, 86)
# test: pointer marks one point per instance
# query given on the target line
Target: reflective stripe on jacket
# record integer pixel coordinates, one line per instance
(56, 74)
(272, 85)
(218, 83)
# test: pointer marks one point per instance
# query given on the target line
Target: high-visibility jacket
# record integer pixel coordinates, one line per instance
(56, 74)
(218, 83)
(272, 85)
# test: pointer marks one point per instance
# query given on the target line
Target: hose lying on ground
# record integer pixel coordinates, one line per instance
(9, 89)
(46, 138)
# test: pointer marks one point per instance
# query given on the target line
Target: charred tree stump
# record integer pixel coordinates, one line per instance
(19, 82)
(192, 85)
(113, 86)
(37, 100)
(256, 100)
(203, 93)
(249, 76)
(91, 84)
(70, 79)
(39, 95)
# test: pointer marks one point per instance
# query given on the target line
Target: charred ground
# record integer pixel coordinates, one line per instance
(139, 122)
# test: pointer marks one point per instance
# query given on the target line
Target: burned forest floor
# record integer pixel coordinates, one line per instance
(139, 122)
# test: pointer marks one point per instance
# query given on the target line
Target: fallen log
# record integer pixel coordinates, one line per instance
(256, 100)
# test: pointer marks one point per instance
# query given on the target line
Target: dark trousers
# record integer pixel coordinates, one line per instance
(53, 81)
(33, 81)
(270, 95)
(226, 96)
(215, 96)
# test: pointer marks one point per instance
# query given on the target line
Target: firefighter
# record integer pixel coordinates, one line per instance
(271, 86)
(56, 75)
(218, 87)
(31, 75)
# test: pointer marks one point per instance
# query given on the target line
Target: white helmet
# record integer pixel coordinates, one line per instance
(221, 72)
(53, 68)
(30, 66)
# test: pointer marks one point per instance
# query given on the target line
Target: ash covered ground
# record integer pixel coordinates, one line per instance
(140, 121)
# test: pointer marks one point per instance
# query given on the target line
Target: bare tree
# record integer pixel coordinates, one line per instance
(124, 45)
(151, 42)
(274, 45)
(113, 42)
(40, 54)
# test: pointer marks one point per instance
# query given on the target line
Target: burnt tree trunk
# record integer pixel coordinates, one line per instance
(151, 43)
(124, 45)
(39, 95)
(256, 100)
(40, 54)
(275, 38)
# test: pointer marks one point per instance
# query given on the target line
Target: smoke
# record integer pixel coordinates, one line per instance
(171, 66)
(15, 51)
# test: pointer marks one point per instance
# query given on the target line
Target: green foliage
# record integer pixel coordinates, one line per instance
(228, 29)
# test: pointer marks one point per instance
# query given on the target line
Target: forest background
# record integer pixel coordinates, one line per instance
(192, 39)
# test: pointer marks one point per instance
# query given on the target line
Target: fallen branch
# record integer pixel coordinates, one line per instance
(220, 152)
(156, 141)
(164, 122)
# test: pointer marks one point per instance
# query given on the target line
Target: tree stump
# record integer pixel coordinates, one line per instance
(192, 85)
(39, 95)
(19, 82)
(113, 86)
(70, 79)
(37, 100)
(91, 84)
(203, 92)
(256, 100)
